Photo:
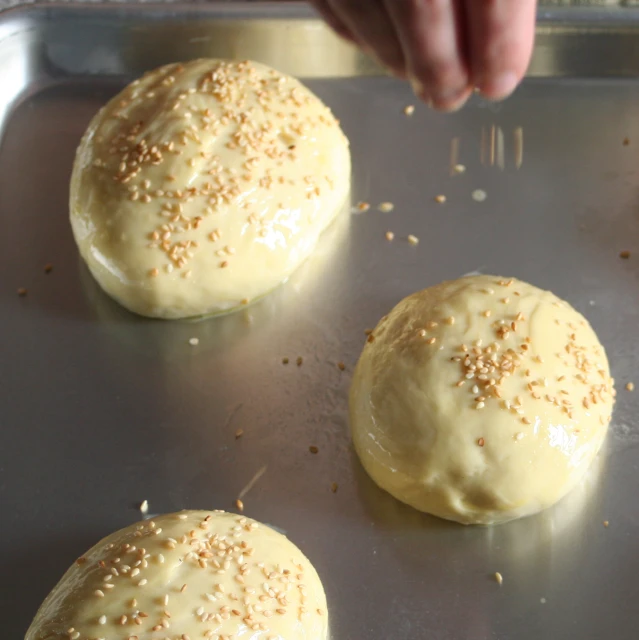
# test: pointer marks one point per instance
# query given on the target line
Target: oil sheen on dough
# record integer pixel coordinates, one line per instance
(481, 400)
(195, 574)
(203, 185)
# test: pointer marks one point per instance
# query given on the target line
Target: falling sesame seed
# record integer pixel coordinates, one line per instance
(479, 195)
(48, 268)
(626, 142)
(409, 110)
(606, 523)
(285, 360)
(313, 449)
(363, 206)
(22, 292)
(239, 433)
(341, 366)
(389, 236)
(239, 505)
(440, 199)
(334, 487)
(385, 207)
(499, 578)
(414, 240)
(194, 341)
(300, 361)
(144, 506)
(624, 255)
(630, 386)
(459, 168)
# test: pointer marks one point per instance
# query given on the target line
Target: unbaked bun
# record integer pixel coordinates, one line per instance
(481, 400)
(194, 574)
(203, 185)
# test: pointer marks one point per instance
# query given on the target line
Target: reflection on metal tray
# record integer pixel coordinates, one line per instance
(100, 410)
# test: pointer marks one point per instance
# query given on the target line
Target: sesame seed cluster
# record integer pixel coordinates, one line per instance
(493, 379)
(184, 576)
(205, 184)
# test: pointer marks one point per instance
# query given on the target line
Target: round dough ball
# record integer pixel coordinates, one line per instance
(481, 400)
(195, 574)
(203, 185)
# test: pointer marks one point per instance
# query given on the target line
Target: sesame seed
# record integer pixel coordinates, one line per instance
(479, 195)
(386, 207)
(450, 320)
(154, 273)
(313, 449)
(239, 505)
(414, 240)
(481, 442)
(102, 619)
(441, 199)
(194, 341)
(144, 506)
(22, 292)
(363, 206)
(48, 268)
(459, 168)
(300, 361)
(389, 236)
(630, 386)
(334, 487)
(239, 433)
(624, 255)
(341, 366)
(499, 578)
(285, 360)
(409, 110)
(606, 523)
(99, 593)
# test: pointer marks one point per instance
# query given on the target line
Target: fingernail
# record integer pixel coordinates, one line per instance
(420, 91)
(417, 87)
(501, 86)
(451, 101)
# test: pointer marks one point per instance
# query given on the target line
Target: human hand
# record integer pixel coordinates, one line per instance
(445, 48)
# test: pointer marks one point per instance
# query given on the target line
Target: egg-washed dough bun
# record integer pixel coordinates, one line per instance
(191, 575)
(204, 185)
(480, 400)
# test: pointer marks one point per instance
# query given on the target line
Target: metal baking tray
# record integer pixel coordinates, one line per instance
(100, 410)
